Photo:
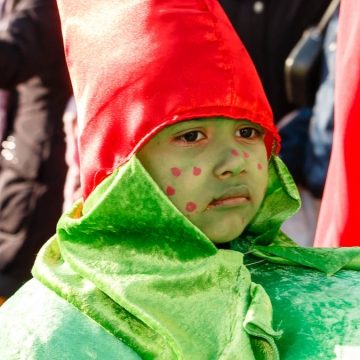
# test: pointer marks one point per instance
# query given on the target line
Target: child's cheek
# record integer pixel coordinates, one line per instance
(170, 191)
(260, 170)
(183, 185)
(196, 171)
(257, 161)
(258, 157)
(190, 207)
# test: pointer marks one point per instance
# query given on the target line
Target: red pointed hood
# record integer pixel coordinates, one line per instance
(140, 65)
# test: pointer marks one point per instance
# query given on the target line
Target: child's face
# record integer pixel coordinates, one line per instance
(213, 170)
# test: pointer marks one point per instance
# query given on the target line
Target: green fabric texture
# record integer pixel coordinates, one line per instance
(36, 324)
(268, 242)
(320, 315)
(133, 263)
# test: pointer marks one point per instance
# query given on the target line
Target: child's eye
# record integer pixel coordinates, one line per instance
(192, 136)
(248, 132)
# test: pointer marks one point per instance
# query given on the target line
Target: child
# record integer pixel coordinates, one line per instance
(180, 182)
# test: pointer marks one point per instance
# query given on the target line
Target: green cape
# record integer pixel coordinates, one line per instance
(132, 263)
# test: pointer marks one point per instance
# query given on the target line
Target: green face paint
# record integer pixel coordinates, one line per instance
(213, 170)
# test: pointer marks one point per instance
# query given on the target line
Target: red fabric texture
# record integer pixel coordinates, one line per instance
(138, 66)
(338, 220)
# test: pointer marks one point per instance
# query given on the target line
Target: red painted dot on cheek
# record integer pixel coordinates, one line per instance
(259, 166)
(234, 152)
(242, 220)
(246, 154)
(170, 190)
(196, 171)
(175, 171)
(190, 207)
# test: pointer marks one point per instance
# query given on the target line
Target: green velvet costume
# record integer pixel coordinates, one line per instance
(128, 276)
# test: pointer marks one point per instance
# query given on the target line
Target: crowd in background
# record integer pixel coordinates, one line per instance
(36, 110)
(34, 74)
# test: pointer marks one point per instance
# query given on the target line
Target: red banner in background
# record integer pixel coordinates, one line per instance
(339, 220)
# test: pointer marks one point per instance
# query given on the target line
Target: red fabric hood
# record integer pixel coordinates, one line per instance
(140, 65)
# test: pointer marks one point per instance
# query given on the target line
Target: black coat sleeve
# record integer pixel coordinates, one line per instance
(30, 41)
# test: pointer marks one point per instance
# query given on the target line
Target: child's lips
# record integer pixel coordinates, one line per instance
(228, 202)
(231, 198)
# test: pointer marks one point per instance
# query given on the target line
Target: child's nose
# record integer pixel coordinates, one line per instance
(230, 162)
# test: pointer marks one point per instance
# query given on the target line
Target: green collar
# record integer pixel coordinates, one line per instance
(132, 262)
(266, 240)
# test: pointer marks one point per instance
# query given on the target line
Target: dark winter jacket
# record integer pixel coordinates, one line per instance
(269, 30)
(32, 164)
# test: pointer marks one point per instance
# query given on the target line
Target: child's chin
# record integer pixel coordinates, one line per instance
(225, 237)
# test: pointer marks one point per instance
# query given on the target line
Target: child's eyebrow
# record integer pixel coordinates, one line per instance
(186, 124)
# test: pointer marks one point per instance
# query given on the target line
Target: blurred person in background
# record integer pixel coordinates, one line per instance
(32, 161)
(307, 141)
(3, 109)
(3, 93)
(269, 30)
(72, 189)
